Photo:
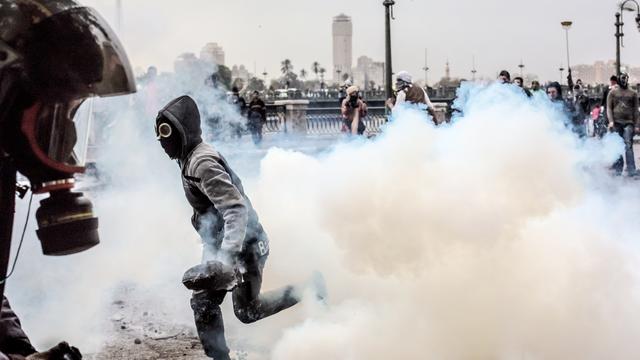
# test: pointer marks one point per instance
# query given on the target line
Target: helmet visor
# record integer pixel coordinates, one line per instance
(75, 54)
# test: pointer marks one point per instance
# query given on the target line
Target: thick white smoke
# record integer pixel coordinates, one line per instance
(499, 236)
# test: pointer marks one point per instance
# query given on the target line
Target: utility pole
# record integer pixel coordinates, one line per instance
(388, 4)
(426, 69)
(619, 33)
(619, 36)
(521, 66)
(566, 25)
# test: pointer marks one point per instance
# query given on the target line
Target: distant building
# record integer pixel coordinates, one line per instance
(190, 69)
(598, 73)
(212, 53)
(342, 46)
(240, 72)
(367, 72)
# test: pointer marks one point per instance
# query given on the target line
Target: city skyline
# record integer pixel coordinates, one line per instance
(493, 32)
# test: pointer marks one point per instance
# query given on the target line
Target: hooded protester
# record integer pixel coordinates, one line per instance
(235, 245)
(622, 112)
(580, 104)
(353, 112)
(408, 92)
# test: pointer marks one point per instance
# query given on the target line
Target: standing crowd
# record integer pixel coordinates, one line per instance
(618, 112)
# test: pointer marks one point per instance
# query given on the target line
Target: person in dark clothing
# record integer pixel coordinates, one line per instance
(518, 81)
(15, 344)
(504, 77)
(622, 110)
(554, 92)
(241, 105)
(228, 225)
(13, 341)
(579, 109)
(256, 117)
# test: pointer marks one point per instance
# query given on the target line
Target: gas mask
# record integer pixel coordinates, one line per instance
(623, 80)
(65, 56)
(353, 100)
(168, 137)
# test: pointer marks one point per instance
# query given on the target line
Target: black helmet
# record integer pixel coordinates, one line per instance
(53, 55)
(63, 51)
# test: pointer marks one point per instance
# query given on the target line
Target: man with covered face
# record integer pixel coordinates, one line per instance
(409, 93)
(622, 112)
(353, 112)
(235, 246)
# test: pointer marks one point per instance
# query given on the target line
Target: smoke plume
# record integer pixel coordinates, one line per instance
(500, 235)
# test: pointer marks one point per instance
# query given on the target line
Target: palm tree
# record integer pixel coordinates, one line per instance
(286, 66)
(315, 67)
(303, 74)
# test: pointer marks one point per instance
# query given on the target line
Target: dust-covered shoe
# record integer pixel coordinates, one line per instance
(212, 275)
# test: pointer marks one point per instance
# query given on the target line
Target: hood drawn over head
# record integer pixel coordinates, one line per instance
(184, 115)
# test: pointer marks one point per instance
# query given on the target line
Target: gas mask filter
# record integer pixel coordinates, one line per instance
(55, 137)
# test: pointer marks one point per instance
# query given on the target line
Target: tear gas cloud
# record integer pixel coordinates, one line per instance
(498, 236)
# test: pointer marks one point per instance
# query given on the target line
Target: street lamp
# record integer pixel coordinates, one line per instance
(426, 69)
(473, 68)
(388, 4)
(521, 66)
(561, 71)
(566, 25)
(619, 24)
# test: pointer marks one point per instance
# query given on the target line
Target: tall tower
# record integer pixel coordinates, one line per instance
(342, 51)
(212, 53)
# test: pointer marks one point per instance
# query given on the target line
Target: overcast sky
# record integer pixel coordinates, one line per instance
(499, 33)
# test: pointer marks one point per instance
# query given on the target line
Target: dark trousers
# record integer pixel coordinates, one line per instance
(248, 305)
(626, 131)
(255, 127)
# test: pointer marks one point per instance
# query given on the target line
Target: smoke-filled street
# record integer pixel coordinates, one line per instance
(351, 181)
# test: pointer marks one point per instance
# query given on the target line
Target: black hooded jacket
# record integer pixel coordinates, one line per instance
(13, 340)
(223, 214)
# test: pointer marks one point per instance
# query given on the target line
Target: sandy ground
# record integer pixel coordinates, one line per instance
(143, 334)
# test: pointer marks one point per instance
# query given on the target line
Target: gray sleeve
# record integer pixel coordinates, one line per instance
(216, 184)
